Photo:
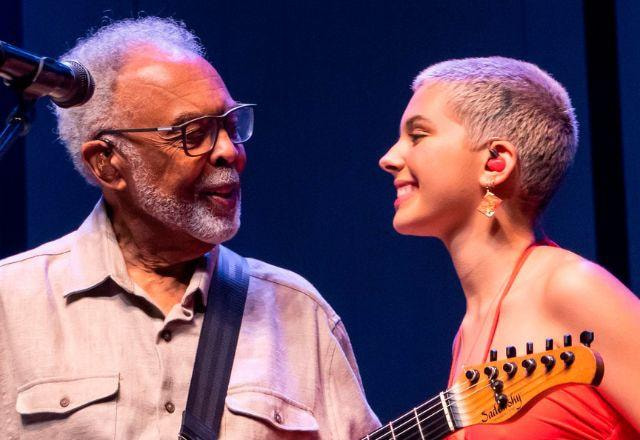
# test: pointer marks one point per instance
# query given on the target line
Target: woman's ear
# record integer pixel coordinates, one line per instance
(102, 160)
(500, 163)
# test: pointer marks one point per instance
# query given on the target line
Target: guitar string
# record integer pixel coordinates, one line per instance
(420, 432)
(423, 411)
(417, 416)
(446, 427)
(419, 422)
(453, 390)
(450, 390)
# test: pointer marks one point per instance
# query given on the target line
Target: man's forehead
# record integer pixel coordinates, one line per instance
(169, 82)
(165, 66)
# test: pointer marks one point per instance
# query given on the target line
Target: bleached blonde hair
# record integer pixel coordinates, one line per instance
(103, 52)
(519, 102)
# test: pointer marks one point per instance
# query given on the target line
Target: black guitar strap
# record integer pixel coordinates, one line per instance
(216, 348)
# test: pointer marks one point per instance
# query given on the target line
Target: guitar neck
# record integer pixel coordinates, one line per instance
(433, 420)
(495, 391)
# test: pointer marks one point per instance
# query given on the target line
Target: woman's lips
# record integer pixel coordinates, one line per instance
(404, 191)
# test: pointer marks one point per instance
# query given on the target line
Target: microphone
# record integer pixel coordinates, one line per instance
(68, 83)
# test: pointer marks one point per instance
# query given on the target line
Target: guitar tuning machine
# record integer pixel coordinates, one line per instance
(510, 368)
(529, 365)
(567, 340)
(472, 376)
(586, 338)
(567, 357)
(497, 386)
(548, 361)
(491, 372)
(493, 355)
(529, 347)
(501, 400)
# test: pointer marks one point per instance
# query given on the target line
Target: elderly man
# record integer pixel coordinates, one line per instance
(99, 328)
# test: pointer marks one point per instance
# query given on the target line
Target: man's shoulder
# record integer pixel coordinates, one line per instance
(35, 256)
(290, 283)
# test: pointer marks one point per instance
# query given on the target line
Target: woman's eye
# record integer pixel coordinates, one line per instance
(417, 136)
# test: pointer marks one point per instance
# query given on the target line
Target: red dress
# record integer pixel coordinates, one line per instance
(565, 412)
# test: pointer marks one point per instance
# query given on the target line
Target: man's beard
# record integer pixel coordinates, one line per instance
(195, 216)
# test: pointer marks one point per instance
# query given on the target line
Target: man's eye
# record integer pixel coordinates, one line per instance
(195, 137)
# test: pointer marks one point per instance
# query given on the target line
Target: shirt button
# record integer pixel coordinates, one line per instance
(278, 417)
(170, 407)
(64, 402)
(166, 335)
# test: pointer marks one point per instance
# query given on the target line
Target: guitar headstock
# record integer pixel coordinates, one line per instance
(495, 391)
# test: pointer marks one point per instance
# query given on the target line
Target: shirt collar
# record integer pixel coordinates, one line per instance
(95, 256)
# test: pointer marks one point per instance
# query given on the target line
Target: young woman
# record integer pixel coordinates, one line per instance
(483, 145)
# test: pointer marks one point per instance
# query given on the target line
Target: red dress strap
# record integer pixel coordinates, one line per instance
(457, 342)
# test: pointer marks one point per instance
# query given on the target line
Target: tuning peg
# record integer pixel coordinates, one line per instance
(497, 386)
(472, 375)
(529, 347)
(567, 357)
(549, 344)
(491, 372)
(586, 338)
(493, 355)
(510, 368)
(502, 400)
(511, 351)
(529, 365)
(567, 340)
(548, 361)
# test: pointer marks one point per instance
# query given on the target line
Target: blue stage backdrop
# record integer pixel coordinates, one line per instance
(331, 79)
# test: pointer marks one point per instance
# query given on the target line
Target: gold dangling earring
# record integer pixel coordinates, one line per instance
(490, 202)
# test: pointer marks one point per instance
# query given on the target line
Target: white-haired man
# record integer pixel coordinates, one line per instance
(100, 328)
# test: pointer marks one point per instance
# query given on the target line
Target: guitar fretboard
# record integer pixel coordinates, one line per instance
(432, 420)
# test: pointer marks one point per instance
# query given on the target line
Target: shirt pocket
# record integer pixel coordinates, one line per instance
(263, 414)
(63, 408)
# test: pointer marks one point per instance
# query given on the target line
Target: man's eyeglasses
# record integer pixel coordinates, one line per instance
(198, 136)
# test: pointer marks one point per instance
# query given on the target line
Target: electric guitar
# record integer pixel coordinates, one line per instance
(495, 391)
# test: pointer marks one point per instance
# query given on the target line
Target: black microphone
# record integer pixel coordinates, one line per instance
(68, 83)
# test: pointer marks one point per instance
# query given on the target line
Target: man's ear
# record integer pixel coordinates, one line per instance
(103, 163)
(500, 163)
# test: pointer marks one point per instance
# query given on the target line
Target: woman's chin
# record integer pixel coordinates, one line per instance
(404, 227)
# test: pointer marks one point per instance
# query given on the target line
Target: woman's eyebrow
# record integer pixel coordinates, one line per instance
(409, 124)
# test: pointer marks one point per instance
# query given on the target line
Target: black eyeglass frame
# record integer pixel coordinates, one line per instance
(182, 128)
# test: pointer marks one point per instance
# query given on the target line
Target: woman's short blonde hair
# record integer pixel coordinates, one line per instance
(519, 102)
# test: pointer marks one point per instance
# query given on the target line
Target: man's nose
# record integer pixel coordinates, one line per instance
(226, 153)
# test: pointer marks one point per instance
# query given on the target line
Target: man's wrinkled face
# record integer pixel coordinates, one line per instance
(196, 195)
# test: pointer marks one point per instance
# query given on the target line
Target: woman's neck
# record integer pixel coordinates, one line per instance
(484, 254)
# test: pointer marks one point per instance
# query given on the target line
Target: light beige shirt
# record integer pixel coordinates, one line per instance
(85, 353)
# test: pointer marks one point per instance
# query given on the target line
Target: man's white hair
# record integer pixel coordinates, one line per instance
(516, 101)
(103, 53)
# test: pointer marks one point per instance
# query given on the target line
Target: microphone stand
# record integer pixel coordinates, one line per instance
(18, 123)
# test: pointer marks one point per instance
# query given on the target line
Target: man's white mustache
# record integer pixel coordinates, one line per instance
(221, 176)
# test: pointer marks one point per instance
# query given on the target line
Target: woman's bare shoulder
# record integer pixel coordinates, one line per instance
(579, 288)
